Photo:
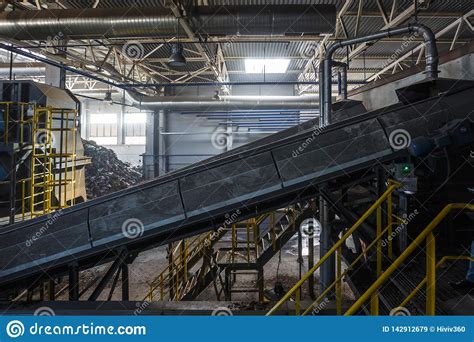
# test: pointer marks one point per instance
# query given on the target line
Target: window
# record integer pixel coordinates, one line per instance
(135, 128)
(104, 118)
(135, 118)
(268, 66)
(103, 128)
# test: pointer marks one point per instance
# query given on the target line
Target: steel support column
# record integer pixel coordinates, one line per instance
(125, 282)
(74, 281)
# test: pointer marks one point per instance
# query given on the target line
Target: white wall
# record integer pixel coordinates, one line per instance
(128, 153)
(197, 141)
(461, 68)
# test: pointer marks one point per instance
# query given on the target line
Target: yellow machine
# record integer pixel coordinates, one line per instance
(42, 162)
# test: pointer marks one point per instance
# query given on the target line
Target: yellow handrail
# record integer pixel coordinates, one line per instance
(296, 288)
(340, 275)
(438, 265)
(426, 234)
(197, 245)
(175, 268)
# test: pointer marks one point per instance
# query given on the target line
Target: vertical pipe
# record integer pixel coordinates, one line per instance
(310, 265)
(342, 73)
(430, 275)
(431, 57)
(11, 65)
(321, 96)
(327, 99)
(13, 188)
(327, 270)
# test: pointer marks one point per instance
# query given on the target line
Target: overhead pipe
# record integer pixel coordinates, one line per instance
(431, 58)
(227, 102)
(219, 84)
(160, 22)
(431, 55)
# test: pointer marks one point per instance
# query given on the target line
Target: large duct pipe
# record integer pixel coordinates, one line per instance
(341, 79)
(146, 22)
(224, 103)
(431, 58)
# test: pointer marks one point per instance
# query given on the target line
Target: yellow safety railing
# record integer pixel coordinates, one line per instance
(171, 280)
(422, 283)
(53, 160)
(50, 135)
(252, 237)
(428, 237)
(336, 250)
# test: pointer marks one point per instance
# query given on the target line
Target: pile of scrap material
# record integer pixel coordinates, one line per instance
(107, 173)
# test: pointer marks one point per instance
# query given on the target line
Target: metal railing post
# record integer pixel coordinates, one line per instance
(339, 281)
(430, 275)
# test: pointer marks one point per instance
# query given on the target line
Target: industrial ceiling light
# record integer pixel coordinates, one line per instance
(108, 97)
(177, 59)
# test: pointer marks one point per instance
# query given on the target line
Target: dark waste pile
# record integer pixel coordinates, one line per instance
(107, 173)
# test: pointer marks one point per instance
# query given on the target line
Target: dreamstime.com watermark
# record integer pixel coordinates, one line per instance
(318, 308)
(308, 141)
(221, 140)
(141, 307)
(44, 311)
(133, 228)
(53, 217)
(229, 220)
(399, 139)
(406, 219)
(311, 228)
(401, 50)
(222, 311)
(16, 329)
(400, 311)
(134, 50)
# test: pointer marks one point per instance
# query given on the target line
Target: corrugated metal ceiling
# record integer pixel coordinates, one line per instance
(299, 51)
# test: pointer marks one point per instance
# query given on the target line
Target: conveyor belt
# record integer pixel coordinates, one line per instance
(270, 173)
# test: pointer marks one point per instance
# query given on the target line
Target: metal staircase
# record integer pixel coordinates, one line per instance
(243, 249)
(389, 289)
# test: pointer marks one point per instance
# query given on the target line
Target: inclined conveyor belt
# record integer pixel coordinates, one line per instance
(272, 171)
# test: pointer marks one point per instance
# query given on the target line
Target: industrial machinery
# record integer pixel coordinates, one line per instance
(41, 154)
(256, 178)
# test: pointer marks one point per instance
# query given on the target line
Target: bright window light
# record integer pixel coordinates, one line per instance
(135, 140)
(103, 118)
(268, 66)
(135, 118)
